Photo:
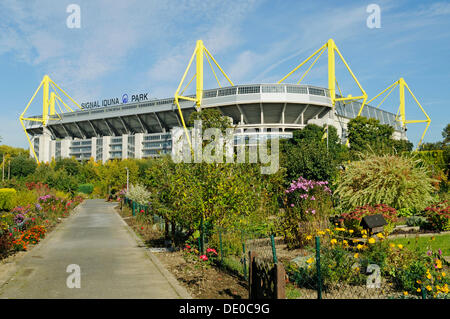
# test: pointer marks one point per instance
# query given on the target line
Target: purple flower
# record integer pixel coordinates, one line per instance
(429, 253)
(440, 252)
(38, 207)
(292, 205)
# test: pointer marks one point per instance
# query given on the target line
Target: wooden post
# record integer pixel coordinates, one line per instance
(252, 280)
(280, 283)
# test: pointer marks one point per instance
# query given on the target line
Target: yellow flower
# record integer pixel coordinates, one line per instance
(443, 274)
(419, 282)
(359, 246)
(428, 275)
(321, 232)
(371, 240)
(419, 290)
(356, 255)
(438, 263)
(309, 267)
(400, 246)
(405, 293)
(364, 236)
(344, 242)
(333, 241)
(327, 229)
(350, 231)
(380, 235)
(363, 231)
(309, 237)
(429, 288)
(356, 269)
(392, 245)
(310, 260)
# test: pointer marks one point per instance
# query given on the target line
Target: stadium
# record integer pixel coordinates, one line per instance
(140, 128)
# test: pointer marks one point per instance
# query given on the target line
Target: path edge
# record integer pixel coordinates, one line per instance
(180, 290)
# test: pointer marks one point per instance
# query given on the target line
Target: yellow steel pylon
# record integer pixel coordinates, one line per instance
(401, 83)
(49, 100)
(331, 48)
(199, 52)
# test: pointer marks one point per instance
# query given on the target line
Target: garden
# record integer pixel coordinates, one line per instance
(203, 219)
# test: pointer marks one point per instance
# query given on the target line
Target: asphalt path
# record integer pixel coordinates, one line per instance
(96, 251)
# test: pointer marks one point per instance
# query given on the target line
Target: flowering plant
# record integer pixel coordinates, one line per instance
(353, 218)
(308, 206)
(438, 216)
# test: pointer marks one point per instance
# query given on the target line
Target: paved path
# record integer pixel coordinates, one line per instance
(112, 263)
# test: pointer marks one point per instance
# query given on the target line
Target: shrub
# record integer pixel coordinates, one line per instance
(139, 194)
(86, 188)
(22, 166)
(438, 216)
(26, 197)
(308, 207)
(416, 221)
(8, 197)
(397, 181)
(352, 219)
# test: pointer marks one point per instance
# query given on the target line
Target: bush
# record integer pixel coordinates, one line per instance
(8, 198)
(139, 194)
(22, 166)
(397, 181)
(416, 221)
(26, 197)
(438, 216)
(308, 207)
(86, 188)
(352, 219)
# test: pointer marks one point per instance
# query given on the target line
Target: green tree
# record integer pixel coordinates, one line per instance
(211, 118)
(307, 153)
(22, 166)
(369, 135)
(70, 165)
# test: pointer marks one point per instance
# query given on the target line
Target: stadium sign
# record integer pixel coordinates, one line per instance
(115, 101)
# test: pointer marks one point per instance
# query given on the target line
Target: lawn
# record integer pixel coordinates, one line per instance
(441, 242)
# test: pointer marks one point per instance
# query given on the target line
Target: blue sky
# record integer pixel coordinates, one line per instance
(144, 46)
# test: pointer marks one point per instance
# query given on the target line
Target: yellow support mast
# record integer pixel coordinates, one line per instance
(49, 100)
(331, 48)
(200, 52)
(401, 83)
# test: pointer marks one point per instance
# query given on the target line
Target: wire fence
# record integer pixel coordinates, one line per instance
(340, 272)
(322, 271)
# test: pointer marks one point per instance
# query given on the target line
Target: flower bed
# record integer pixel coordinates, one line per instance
(27, 225)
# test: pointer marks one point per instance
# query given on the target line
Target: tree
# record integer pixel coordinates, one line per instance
(369, 135)
(211, 118)
(22, 166)
(446, 134)
(307, 154)
(70, 165)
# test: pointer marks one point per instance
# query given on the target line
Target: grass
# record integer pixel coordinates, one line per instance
(424, 243)
(292, 292)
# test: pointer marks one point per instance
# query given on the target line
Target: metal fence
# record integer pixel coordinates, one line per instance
(330, 273)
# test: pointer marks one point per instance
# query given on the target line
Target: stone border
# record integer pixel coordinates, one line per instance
(173, 282)
(417, 235)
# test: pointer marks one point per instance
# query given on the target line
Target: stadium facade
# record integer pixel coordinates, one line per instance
(143, 129)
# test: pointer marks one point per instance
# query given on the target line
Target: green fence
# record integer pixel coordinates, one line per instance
(329, 273)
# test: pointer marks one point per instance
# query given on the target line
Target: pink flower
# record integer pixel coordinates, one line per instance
(203, 257)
